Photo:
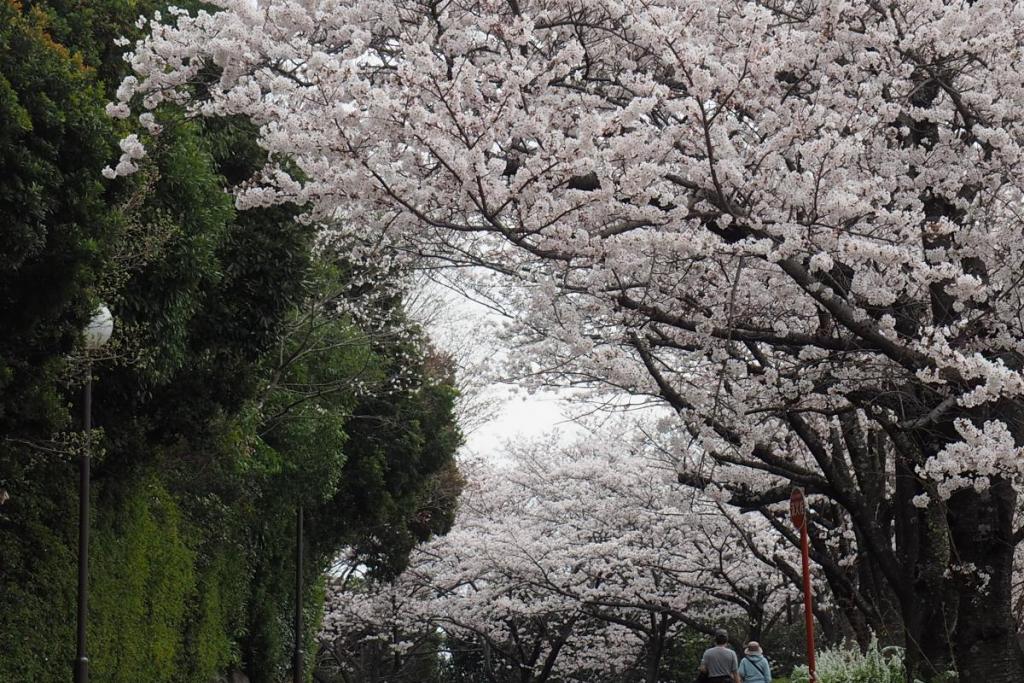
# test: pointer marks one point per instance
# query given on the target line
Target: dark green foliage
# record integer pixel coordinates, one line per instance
(208, 442)
(37, 561)
(90, 29)
(158, 612)
(54, 139)
(375, 463)
(390, 505)
(215, 615)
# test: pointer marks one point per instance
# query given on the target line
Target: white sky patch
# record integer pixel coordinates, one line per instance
(521, 416)
(493, 411)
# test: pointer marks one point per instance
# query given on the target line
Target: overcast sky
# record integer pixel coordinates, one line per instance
(521, 416)
(496, 411)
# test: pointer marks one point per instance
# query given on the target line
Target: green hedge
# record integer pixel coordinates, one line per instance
(160, 610)
(144, 579)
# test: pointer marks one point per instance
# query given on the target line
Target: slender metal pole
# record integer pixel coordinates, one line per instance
(297, 662)
(808, 612)
(84, 461)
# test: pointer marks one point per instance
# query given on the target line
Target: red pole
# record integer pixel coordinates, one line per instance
(808, 613)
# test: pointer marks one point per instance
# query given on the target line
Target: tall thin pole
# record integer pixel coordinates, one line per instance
(84, 461)
(297, 662)
(808, 612)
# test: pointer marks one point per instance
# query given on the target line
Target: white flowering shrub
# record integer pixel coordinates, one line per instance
(849, 665)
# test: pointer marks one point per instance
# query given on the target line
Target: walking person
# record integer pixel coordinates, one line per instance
(719, 662)
(754, 667)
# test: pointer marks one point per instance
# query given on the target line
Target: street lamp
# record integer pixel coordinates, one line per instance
(96, 333)
(297, 652)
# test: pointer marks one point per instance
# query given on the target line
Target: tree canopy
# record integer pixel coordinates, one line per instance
(794, 223)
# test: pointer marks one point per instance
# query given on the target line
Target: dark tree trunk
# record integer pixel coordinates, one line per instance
(653, 662)
(887, 623)
(655, 648)
(985, 639)
(755, 617)
(958, 614)
(923, 550)
(858, 623)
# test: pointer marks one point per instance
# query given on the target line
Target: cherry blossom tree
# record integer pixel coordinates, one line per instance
(615, 533)
(584, 564)
(796, 223)
(485, 589)
(457, 587)
(377, 631)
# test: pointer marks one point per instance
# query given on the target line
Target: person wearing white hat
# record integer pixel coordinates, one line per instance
(754, 667)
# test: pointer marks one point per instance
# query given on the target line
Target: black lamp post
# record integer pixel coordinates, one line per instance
(298, 651)
(97, 333)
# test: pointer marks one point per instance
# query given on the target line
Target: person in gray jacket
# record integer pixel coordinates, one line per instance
(719, 661)
(754, 668)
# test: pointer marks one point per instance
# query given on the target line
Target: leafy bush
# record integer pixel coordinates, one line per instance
(844, 665)
(143, 581)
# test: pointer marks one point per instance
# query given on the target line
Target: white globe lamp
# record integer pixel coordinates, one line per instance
(99, 329)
